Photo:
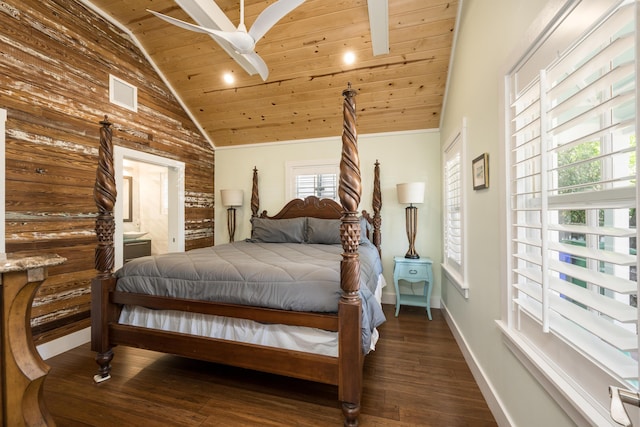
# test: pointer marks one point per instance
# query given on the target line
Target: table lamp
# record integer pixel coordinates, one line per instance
(231, 199)
(411, 193)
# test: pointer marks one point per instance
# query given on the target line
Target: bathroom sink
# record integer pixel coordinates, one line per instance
(132, 235)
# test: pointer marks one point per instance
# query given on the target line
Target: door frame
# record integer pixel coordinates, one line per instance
(176, 194)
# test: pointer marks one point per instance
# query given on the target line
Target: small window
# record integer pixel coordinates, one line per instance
(453, 208)
(322, 185)
(313, 178)
(123, 94)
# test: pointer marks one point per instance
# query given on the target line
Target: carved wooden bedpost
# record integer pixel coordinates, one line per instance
(104, 194)
(377, 205)
(349, 307)
(255, 198)
(105, 197)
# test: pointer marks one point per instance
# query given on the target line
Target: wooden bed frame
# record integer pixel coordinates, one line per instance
(345, 371)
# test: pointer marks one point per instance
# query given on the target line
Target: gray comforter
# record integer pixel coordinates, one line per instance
(288, 276)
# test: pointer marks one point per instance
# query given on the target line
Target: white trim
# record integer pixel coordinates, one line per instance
(65, 343)
(3, 120)
(496, 406)
(327, 139)
(456, 280)
(176, 177)
(135, 40)
(581, 411)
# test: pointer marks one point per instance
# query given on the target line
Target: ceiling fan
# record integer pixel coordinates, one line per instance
(237, 41)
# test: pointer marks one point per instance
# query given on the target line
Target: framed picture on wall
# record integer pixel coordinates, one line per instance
(480, 171)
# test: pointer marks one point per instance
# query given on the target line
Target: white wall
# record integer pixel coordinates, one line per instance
(403, 156)
(489, 32)
(147, 209)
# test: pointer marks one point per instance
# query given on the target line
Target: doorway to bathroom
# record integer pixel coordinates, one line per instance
(149, 210)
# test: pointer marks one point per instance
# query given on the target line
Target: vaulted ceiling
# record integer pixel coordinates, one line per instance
(301, 98)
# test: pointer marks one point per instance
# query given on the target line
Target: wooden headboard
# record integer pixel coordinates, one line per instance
(315, 207)
(310, 206)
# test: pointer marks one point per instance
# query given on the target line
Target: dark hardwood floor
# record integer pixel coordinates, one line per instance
(416, 377)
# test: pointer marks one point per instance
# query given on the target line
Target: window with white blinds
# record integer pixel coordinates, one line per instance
(453, 208)
(572, 196)
(322, 185)
(312, 178)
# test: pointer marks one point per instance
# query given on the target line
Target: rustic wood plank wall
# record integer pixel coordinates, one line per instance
(55, 61)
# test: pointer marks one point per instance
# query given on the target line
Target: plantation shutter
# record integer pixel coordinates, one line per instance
(453, 206)
(573, 195)
(322, 185)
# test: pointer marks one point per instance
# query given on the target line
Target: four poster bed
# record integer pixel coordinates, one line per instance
(316, 321)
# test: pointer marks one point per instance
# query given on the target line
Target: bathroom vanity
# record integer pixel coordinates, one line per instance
(136, 248)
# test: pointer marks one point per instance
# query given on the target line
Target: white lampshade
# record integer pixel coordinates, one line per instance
(231, 198)
(411, 192)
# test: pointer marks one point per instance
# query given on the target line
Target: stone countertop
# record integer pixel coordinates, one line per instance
(10, 262)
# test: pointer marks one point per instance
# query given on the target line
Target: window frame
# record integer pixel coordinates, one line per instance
(557, 365)
(456, 273)
(295, 168)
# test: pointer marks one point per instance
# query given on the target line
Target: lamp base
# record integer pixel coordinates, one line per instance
(412, 221)
(231, 223)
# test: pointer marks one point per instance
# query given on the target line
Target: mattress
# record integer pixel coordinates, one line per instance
(286, 276)
(298, 338)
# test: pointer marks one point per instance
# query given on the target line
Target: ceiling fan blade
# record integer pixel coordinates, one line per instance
(237, 42)
(257, 62)
(183, 24)
(241, 41)
(270, 16)
(207, 13)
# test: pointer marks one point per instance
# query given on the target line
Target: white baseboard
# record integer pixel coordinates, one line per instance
(66, 343)
(495, 404)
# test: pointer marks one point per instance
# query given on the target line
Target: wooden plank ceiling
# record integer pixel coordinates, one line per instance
(401, 90)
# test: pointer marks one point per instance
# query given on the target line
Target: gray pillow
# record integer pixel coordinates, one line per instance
(323, 231)
(267, 230)
(365, 228)
(327, 231)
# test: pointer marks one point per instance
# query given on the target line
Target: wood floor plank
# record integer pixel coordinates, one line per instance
(417, 376)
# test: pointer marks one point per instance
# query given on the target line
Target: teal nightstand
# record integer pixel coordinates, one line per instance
(413, 271)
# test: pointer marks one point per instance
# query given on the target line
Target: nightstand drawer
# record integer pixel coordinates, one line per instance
(410, 271)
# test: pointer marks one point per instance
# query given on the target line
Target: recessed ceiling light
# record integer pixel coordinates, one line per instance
(349, 58)
(228, 78)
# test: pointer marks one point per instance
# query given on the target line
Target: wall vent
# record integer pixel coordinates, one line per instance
(122, 93)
